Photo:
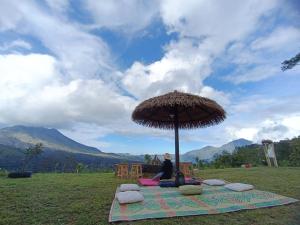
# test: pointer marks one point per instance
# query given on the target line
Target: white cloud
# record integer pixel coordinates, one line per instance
(261, 117)
(280, 39)
(9, 16)
(275, 130)
(13, 45)
(246, 133)
(58, 5)
(22, 74)
(205, 28)
(120, 15)
(217, 22)
(80, 54)
(256, 74)
(263, 59)
(32, 92)
(182, 68)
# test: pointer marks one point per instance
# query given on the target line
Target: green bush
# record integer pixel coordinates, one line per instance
(3, 172)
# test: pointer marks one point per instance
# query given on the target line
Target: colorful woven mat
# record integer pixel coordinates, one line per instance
(168, 202)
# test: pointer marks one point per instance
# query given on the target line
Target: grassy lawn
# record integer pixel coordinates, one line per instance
(86, 198)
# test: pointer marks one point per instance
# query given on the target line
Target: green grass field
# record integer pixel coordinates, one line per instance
(86, 198)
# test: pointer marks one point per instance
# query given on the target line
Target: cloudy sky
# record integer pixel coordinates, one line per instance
(82, 67)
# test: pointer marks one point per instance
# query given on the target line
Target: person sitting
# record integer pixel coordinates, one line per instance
(166, 170)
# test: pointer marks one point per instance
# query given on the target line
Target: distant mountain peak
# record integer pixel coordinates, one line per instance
(21, 136)
(207, 152)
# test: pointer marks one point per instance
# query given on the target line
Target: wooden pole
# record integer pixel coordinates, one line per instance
(176, 140)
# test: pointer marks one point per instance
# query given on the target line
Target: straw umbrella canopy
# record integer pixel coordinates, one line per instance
(176, 110)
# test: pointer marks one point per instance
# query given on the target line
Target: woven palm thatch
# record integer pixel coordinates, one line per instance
(193, 111)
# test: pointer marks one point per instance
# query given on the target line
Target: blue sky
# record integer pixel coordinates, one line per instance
(83, 66)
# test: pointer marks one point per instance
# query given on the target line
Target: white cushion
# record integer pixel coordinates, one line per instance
(239, 187)
(129, 187)
(214, 182)
(129, 197)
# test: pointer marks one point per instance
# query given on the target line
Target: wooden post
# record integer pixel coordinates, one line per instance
(269, 151)
(266, 155)
(176, 140)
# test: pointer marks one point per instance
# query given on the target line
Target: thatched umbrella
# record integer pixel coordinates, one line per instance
(178, 110)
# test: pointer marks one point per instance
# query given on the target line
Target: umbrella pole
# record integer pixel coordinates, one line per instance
(176, 141)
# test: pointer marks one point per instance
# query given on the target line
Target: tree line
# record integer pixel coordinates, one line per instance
(287, 154)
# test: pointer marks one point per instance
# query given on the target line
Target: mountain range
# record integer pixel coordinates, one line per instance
(23, 137)
(61, 150)
(58, 150)
(207, 153)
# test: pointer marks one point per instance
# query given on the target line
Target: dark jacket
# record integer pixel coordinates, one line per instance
(167, 169)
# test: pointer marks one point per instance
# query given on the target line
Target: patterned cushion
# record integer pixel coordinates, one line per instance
(214, 182)
(192, 182)
(148, 182)
(129, 197)
(239, 187)
(190, 189)
(129, 187)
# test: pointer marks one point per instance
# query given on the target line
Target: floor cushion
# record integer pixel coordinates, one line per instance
(190, 189)
(167, 184)
(192, 182)
(214, 182)
(129, 187)
(148, 182)
(239, 187)
(129, 197)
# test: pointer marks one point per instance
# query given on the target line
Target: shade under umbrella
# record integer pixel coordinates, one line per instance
(178, 110)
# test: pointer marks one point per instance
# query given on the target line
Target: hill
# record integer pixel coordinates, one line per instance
(60, 152)
(23, 137)
(207, 153)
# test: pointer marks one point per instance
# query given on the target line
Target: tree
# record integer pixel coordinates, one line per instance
(56, 167)
(289, 64)
(294, 157)
(199, 162)
(31, 153)
(223, 160)
(147, 159)
(79, 167)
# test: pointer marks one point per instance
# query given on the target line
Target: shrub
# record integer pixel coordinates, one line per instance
(3, 172)
(19, 175)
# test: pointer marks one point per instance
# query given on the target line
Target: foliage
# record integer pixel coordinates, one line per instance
(147, 158)
(80, 167)
(199, 163)
(67, 198)
(19, 175)
(287, 154)
(289, 64)
(294, 157)
(223, 160)
(31, 153)
(3, 172)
